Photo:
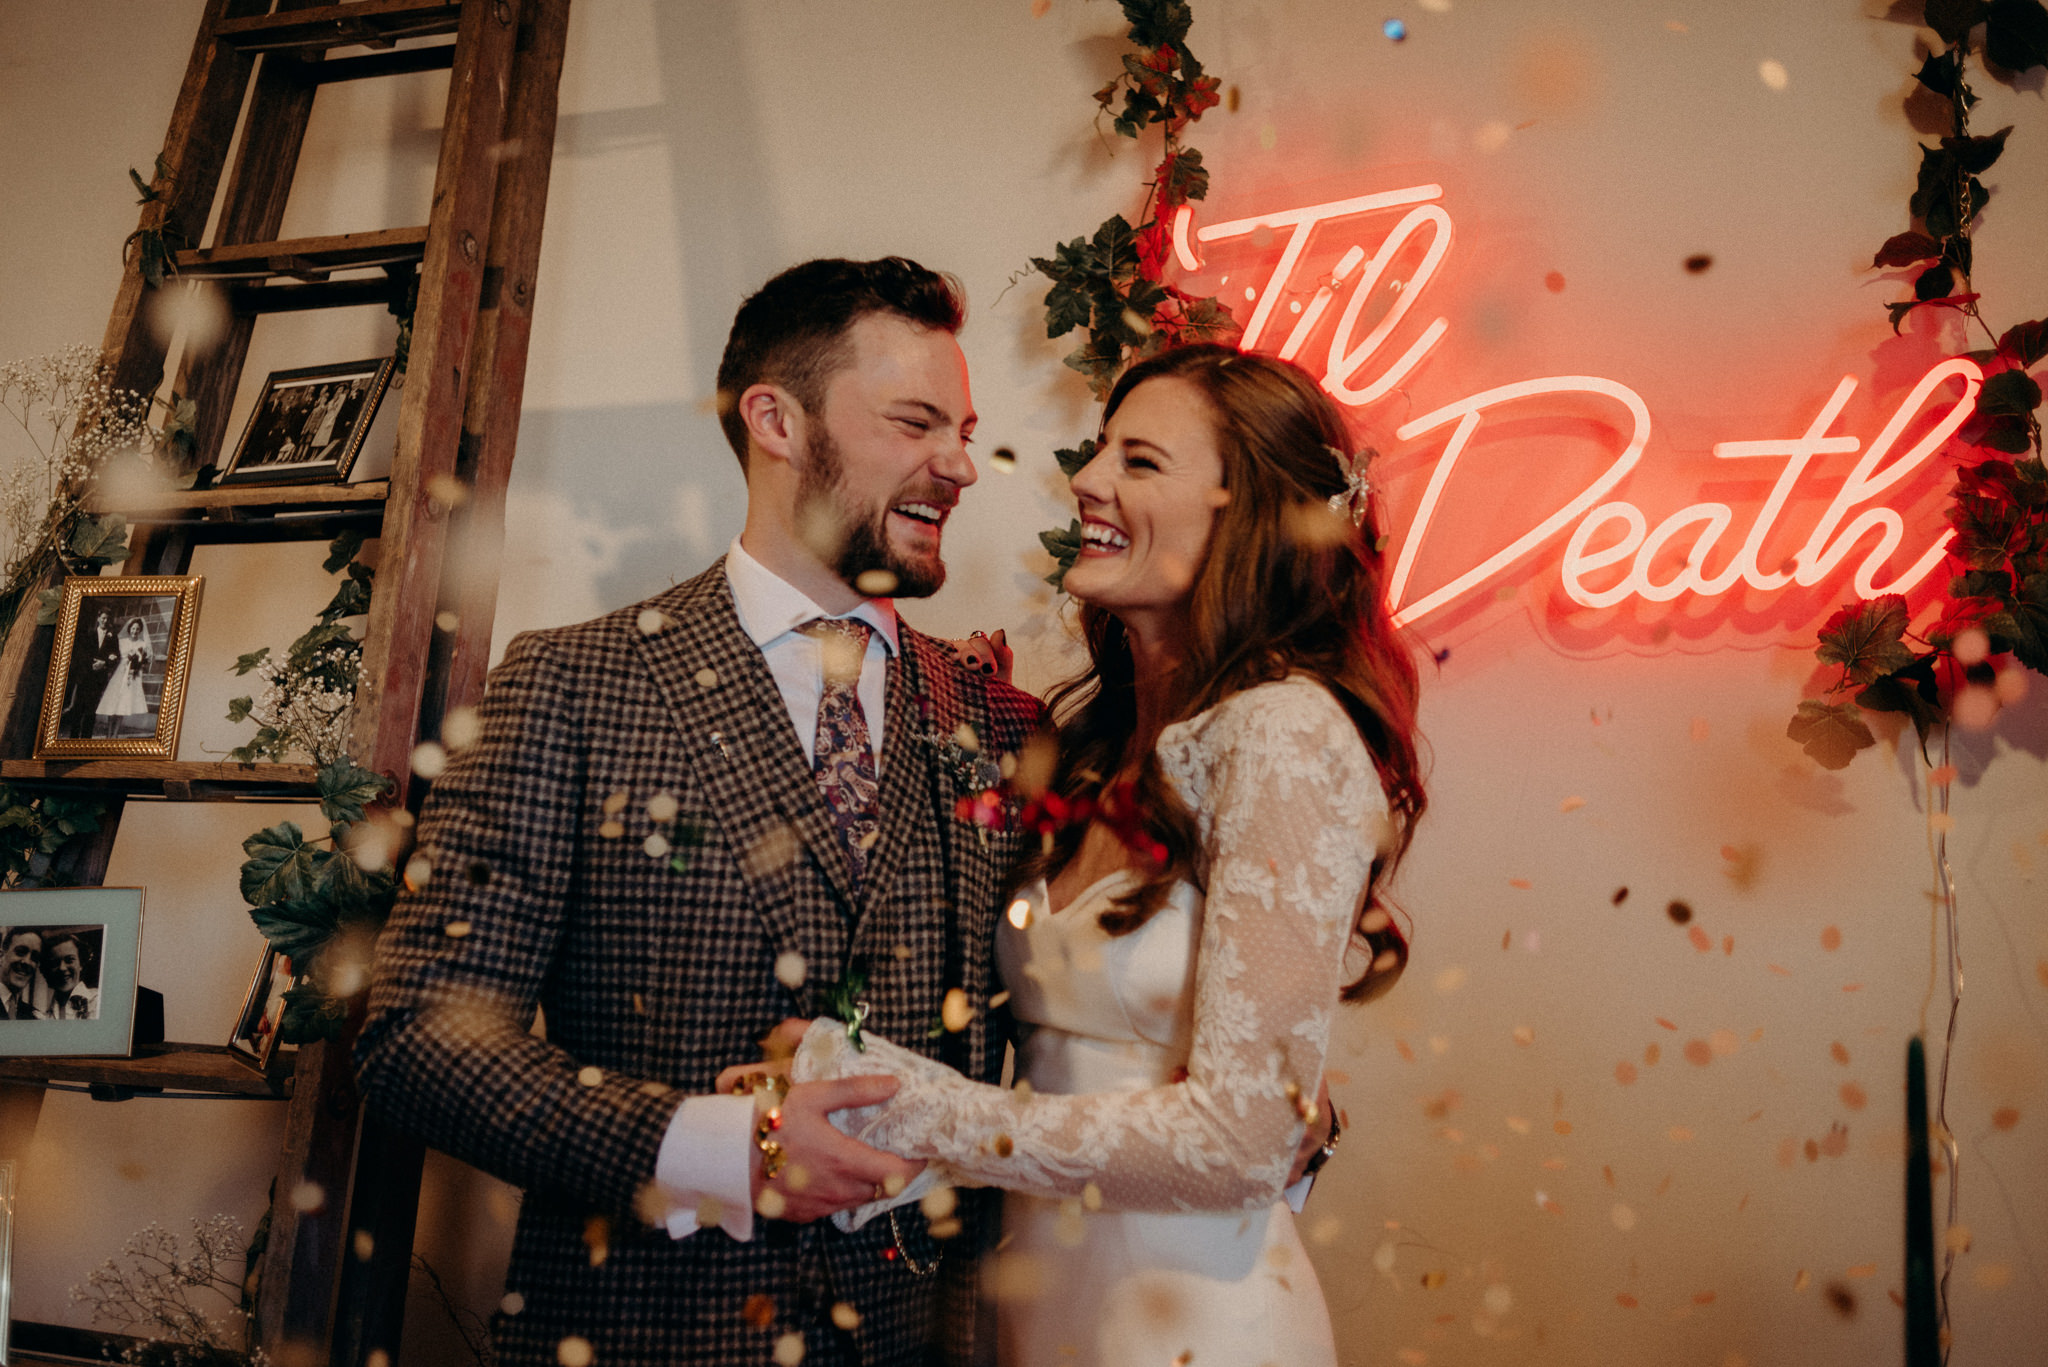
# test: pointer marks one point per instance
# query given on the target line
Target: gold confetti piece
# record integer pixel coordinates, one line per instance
(308, 1197)
(1942, 776)
(448, 491)
(1432, 1279)
(789, 1350)
(429, 760)
(1182, 1359)
(597, 1237)
(615, 804)
(656, 846)
(1571, 804)
(1069, 1230)
(797, 1176)
(651, 621)
(1498, 1299)
(998, 999)
(1699, 728)
(1780, 970)
(1525, 1035)
(1507, 937)
(2005, 1118)
(575, 1352)
(1772, 73)
(1941, 823)
(1667, 1023)
(1020, 913)
(1651, 1054)
(1402, 1048)
(461, 727)
(1701, 941)
(902, 953)
(1450, 979)
(1005, 1146)
(1992, 1276)
(1554, 1164)
(1041, 8)
(1831, 939)
(1554, 282)
(1623, 1217)
(875, 583)
(938, 1203)
(456, 930)
(791, 969)
(956, 1014)
(513, 1303)
(590, 1076)
(1625, 1301)
(662, 807)
(1728, 945)
(1854, 1097)
(1091, 1197)
(706, 677)
(447, 621)
(1861, 1270)
(710, 1212)
(1679, 1134)
(364, 1244)
(612, 830)
(845, 1316)
(1625, 1073)
(1520, 883)
(1518, 1124)
(1852, 987)
(1724, 1043)
(1562, 1126)
(1957, 1239)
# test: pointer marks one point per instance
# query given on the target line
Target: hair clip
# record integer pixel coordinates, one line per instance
(1351, 502)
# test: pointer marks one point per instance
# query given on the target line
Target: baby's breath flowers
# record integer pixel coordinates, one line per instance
(168, 1292)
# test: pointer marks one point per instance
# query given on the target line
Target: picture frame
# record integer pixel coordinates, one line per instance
(6, 1254)
(79, 1000)
(123, 652)
(255, 1037)
(310, 424)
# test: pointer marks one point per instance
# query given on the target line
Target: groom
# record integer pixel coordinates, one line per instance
(693, 818)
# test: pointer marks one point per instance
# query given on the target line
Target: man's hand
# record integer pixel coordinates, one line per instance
(822, 1170)
(990, 655)
(1317, 1135)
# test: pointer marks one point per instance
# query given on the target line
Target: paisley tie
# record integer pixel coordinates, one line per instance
(843, 761)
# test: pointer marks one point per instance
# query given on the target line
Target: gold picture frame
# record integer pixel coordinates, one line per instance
(117, 676)
(255, 1038)
(310, 424)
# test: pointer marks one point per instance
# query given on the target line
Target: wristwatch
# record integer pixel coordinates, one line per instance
(1329, 1148)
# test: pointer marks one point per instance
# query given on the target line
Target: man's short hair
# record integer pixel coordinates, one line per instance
(792, 331)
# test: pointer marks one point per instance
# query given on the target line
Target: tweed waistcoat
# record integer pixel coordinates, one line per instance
(636, 845)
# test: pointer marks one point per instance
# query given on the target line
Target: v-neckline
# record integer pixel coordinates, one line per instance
(1083, 895)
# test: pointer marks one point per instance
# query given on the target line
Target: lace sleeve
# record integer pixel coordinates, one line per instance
(1289, 807)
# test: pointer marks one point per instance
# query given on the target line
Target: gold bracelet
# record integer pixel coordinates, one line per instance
(772, 1155)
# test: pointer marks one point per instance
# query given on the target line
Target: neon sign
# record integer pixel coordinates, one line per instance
(1612, 552)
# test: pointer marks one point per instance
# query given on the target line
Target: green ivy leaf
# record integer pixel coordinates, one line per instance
(2023, 625)
(1073, 459)
(1910, 690)
(99, 540)
(1115, 249)
(1936, 282)
(352, 599)
(1831, 733)
(310, 1016)
(238, 708)
(1066, 306)
(1864, 638)
(1942, 74)
(2025, 344)
(1208, 320)
(1064, 547)
(1904, 249)
(2004, 432)
(1182, 177)
(2009, 391)
(298, 928)
(255, 659)
(49, 605)
(2016, 34)
(319, 638)
(341, 550)
(1977, 154)
(1953, 19)
(1155, 23)
(280, 865)
(347, 790)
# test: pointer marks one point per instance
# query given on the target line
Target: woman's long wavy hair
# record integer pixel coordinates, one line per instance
(1286, 587)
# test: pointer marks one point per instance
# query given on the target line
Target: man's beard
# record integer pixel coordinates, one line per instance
(861, 535)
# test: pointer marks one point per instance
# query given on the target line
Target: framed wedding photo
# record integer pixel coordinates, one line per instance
(118, 669)
(310, 424)
(255, 1037)
(67, 971)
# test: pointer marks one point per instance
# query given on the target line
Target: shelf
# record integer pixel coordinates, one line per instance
(305, 258)
(178, 780)
(238, 499)
(167, 1067)
(368, 23)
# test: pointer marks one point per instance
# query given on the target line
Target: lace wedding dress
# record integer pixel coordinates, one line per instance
(1147, 1155)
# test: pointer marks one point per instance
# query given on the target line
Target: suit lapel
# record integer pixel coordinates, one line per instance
(741, 749)
(906, 771)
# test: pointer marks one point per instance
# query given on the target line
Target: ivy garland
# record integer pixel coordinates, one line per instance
(1998, 605)
(1112, 285)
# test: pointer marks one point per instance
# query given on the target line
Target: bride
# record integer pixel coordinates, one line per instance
(1244, 737)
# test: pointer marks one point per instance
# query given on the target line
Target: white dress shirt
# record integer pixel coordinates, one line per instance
(706, 1158)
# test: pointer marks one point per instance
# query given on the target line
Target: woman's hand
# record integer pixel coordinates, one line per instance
(990, 655)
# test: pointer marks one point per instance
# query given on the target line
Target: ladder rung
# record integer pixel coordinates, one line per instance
(398, 62)
(180, 780)
(305, 257)
(246, 498)
(375, 23)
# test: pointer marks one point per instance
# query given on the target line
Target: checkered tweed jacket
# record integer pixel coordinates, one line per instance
(652, 979)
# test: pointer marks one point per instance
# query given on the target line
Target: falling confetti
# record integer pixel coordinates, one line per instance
(1571, 804)
(875, 583)
(575, 1352)
(1625, 1301)
(2005, 1118)
(789, 1350)
(1525, 1035)
(1450, 979)
(1651, 1053)
(447, 622)
(1395, 30)
(1853, 1096)
(656, 846)
(1992, 1276)
(790, 969)
(1623, 1217)
(513, 1303)
(364, 1244)
(456, 930)
(1840, 1299)
(662, 807)
(1701, 941)
(1773, 74)
(651, 621)
(1625, 1073)
(461, 727)
(429, 760)
(1831, 939)
(1679, 912)
(1698, 264)
(590, 1076)
(308, 1197)
(1554, 282)
(956, 1013)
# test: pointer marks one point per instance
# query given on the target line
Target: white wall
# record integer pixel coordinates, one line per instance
(703, 146)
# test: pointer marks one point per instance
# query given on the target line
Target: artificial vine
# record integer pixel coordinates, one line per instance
(1112, 285)
(149, 245)
(1998, 605)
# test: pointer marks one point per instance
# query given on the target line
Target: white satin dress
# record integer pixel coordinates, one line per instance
(1146, 1159)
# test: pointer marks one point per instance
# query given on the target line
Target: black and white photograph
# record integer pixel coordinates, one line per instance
(117, 673)
(67, 970)
(50, 972)
(310, 423)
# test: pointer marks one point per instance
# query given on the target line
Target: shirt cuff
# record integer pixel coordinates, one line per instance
(1296, 1196)
(706, 1160)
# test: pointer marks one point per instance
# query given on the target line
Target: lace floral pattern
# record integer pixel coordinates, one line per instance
(1290, 813)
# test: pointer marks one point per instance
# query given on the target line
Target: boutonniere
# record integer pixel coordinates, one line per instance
(976, 777)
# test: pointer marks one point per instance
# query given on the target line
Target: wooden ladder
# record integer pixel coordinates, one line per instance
(333, 1276)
